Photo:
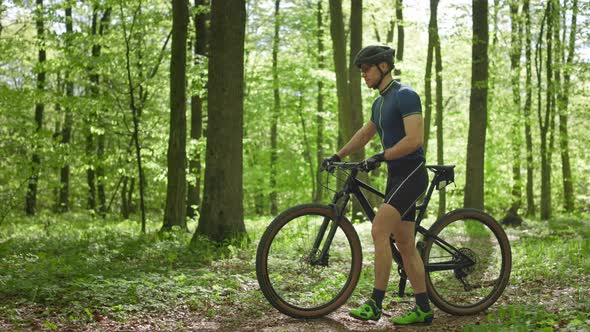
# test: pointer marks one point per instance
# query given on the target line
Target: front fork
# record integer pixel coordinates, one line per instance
(324, 256)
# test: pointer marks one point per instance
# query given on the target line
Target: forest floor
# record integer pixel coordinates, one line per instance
(62, 277)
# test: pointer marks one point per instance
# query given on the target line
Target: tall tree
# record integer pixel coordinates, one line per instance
(345, 130)
(354, 75)
(320, 103)
(64, 192)
(512, 215)
(434, 50)
(527, 111)
(275, 114)
(222, 215)
(354, 85)
(175, 211)
(428, 73)
(568, 188)
(442, 201)
(90, 119)
(138, 91)
(200, 50)
(101, 135)
(95, 143)
(546, 118)
(474, 179)
(399, 15)
(31, 197)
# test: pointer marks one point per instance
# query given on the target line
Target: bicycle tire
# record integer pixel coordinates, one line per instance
(274, 290)
(455, 224)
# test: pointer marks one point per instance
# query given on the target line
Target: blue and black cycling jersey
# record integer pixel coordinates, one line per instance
(388, 111)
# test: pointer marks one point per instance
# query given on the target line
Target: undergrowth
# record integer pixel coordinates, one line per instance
(77, 270)
(73, 269)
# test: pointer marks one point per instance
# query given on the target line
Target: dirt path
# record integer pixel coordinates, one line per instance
(259, 316)
(273, 321)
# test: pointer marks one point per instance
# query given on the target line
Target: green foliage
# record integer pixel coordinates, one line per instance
(146, 29)
(528, 318)
(82, 269)
(76, 272)
(548, 285)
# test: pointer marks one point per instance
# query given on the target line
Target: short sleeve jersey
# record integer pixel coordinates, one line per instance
(396, 102)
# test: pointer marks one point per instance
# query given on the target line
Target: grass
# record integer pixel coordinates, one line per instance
(80, 269)
(550, 279)
(74, 270)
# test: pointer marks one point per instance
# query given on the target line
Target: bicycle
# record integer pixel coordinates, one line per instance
(309, 259)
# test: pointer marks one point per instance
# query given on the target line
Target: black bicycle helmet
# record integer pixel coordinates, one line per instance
(374, 55)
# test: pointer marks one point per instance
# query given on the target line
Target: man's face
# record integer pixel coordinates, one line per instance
(370, 74)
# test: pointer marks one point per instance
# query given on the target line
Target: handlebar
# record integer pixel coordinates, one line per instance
(359, 166)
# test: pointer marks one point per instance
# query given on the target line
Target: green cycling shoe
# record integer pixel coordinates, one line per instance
(415, 316)
(367, 311)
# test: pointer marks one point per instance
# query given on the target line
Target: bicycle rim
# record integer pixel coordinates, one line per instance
(474, 287)
(287, 276)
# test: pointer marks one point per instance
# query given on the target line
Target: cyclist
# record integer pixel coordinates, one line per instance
(397, 117)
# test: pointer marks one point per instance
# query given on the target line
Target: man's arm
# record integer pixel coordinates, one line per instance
(359, 139)
(414, 127)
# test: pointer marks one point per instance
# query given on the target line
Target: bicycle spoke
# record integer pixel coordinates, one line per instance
(470, 275)
(292, 272)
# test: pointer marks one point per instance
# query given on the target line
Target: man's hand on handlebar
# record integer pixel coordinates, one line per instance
(327, 161)
(373, 162)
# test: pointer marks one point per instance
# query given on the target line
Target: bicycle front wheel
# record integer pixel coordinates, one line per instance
(293, 276)
(468, 261)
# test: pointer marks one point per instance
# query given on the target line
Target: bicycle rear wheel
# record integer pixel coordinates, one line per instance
(287, 268)
(468, 261)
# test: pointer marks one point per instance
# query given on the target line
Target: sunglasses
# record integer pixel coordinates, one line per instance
(365, 68)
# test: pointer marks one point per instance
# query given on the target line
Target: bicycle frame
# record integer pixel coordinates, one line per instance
(340, 201)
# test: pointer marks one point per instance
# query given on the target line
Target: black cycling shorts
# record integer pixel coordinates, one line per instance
(406, 182)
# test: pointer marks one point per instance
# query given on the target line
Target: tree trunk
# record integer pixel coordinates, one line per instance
(497, 4)
(376, 29)
(275, 114)
(175, 211)
(222, 216)
(428, 75)
(474, 179)
(124, 201)
(354, 85)
(399, 54)
(512, 216)
(90, 171)
(66, 133)
(100, 138)
(442, 200)
(354, 76)
(31, 197)
(100, 173)
(91, 119)
(136, 104)
(527, 112)
(57, 139)
(194, 188)
(557, 65)
(305, 143)
(320, 106)
(127, 206)
(1, 12)
(339, 47)
(544, 124)
(568, 188)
